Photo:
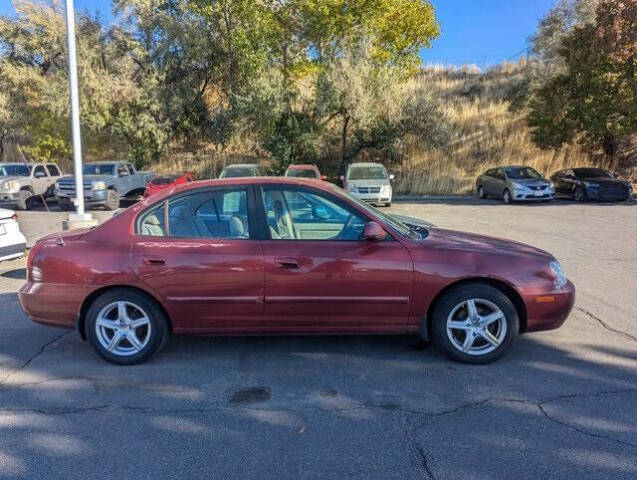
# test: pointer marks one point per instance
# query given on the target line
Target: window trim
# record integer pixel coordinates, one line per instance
(59, 172)
(252, 213)
(261, 188)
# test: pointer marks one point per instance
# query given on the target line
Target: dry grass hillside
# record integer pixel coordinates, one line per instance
(485, 134)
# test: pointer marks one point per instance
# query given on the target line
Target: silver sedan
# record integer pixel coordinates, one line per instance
(515, 183)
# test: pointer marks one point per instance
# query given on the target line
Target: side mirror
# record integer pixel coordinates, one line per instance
(392, 176)
(374, 232)
(324, 178)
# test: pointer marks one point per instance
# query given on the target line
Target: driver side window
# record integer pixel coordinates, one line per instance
(294, 214)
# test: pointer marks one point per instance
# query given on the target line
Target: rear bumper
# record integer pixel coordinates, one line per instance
(548, 310)
(52, 304)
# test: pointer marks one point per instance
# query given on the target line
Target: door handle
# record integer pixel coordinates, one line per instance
(153, 261)
(282, 262)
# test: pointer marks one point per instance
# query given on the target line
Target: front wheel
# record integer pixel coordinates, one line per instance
(579, 195)
(26, 200)
(506, 196)
(112, 200)
(126, 327)
(474, 323)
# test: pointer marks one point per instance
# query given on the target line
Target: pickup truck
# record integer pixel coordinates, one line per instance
(104, 184)
(23, 184)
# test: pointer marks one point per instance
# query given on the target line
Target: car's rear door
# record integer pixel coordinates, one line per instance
(198, 252)
(320, 275)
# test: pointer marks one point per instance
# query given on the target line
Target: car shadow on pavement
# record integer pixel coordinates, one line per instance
(16, 274)
(331, 406)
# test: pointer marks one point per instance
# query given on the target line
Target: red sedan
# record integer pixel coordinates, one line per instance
(287, 256)
(160, 182)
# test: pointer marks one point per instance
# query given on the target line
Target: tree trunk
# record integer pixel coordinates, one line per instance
(609, 144)
(341, 168)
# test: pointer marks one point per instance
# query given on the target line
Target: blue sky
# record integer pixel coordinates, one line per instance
(483, 32)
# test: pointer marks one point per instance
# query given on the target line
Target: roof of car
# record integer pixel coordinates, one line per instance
(242, 165)
(366, 164)
(304, 166)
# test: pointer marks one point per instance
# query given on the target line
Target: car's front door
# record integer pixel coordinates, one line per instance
(40, 179)
(321, 275)
(198, 252)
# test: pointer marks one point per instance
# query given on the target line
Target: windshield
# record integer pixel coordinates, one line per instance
(395, 223)
(234, 172)
(518, 173)
(16, 170)
(592, 173)
(301, 173)
(98, 169)
(368, 172)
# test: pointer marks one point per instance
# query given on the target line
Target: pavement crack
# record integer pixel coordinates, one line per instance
(33, 357)
(606, 326)
(425, 462)
(581, 430)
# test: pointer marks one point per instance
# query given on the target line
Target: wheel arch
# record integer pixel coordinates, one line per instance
(504, 287)
(86, 304)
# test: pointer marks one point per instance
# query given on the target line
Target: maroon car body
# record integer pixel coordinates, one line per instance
(262, 285)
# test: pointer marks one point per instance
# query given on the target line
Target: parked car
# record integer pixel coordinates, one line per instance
(583, 184)
(241, 170)
(274, 255)
(155, 184)
(24, 184)
(369, 182)
(304, 171)
(12, 241)
(514, 183)
(104, 184)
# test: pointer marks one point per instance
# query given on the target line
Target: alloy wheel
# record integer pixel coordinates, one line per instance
(476, 327)
(506, 197)
(123, 328)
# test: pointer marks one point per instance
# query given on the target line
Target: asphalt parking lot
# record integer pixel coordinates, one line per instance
(560, 405)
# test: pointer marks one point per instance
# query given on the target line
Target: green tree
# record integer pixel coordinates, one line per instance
(596, 95)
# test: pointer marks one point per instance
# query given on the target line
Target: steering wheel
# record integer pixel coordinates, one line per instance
(348, 223)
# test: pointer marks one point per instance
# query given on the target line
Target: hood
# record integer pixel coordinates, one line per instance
(471, 242)
(605, 181)
(368, 182)
(531, 181)
(409, 221)
(87, 178)
(14, 179)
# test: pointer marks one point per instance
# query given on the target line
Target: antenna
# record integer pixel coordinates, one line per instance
(46, 205)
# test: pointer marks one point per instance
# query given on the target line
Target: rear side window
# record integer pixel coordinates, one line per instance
(207, 214)
(54, 171)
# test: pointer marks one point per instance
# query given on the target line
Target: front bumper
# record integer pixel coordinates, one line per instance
(6, 196)
(548, 310)
(90, 196)
(373, 197)
(528, 195)
(608, 195)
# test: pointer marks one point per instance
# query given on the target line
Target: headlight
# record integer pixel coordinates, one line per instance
(552, 185)
(559, 280)
(591, 184)
(98, 186)
(13, 186)
(518, 185)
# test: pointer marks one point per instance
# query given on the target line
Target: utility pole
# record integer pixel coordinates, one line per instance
(80, 218)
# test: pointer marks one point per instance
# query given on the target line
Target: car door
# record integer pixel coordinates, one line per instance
(320, 275)
(54, 174)
(498, 183)
(198, 252)
(123, 179)
(40, 179)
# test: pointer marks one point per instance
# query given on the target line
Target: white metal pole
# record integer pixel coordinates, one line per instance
(75, 113)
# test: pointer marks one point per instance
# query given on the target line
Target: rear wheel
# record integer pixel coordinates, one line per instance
(126, 327)
(506, 196)
(112, 200)
(481, 194)
(474, 323)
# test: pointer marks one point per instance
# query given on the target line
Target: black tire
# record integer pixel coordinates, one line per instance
(452, 300)
(65, 205)
(481, 194)
(112, 200)
(158, 325)
(388, 204)
(25, 200)
(579, 194)
(506, 196)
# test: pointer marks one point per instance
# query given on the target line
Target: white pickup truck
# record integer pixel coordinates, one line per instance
(24, 184)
